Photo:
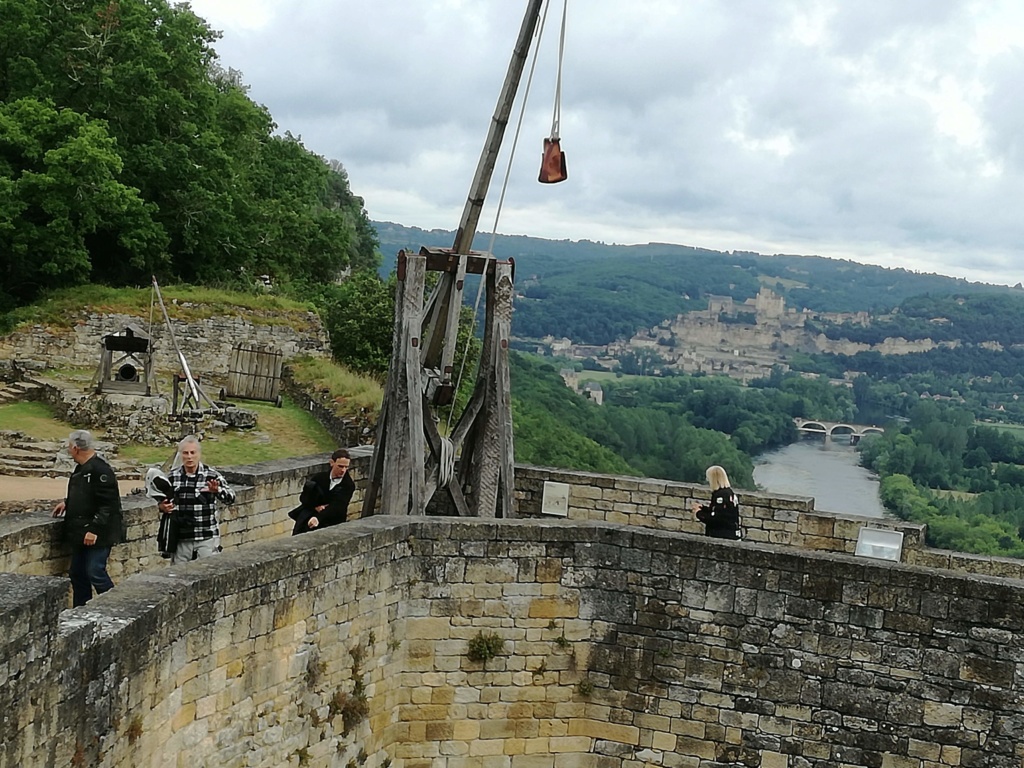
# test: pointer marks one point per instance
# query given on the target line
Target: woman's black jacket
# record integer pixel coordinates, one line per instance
(721, 515)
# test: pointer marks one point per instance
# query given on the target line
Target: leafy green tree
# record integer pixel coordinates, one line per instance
(60, 195)
(359, 315)
(207, 181)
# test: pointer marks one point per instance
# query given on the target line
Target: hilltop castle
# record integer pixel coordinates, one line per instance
(743, 340)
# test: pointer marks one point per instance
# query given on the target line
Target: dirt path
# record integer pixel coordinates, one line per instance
(16, 488)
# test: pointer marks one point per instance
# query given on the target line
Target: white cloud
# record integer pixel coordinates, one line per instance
(878, 131)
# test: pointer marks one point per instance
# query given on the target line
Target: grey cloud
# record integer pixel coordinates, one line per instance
(711, 120)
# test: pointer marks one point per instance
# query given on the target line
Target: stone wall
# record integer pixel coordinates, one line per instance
(628, 647)
(29, 542)
(616, 647)
(787, 520)
(666, 505)
(206, 343)
(265, 493)
(270, 656)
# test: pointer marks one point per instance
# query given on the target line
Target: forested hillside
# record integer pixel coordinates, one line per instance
(127, 150)
(595, 293)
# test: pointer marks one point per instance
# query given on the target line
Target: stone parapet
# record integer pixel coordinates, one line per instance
(440, 643)
(666, 505)
(265, 493)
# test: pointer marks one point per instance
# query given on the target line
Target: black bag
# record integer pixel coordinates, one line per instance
(167, 536)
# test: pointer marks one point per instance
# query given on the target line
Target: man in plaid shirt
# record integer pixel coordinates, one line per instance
(197, 488)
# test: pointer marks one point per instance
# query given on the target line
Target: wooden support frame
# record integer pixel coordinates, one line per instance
(408, 469)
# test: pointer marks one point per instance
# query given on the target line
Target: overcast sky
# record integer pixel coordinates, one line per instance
(885, 131)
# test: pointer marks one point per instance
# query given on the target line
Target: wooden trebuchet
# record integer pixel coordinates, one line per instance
(411, 459)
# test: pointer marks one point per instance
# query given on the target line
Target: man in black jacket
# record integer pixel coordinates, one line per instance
(325, 496)
(92, 518)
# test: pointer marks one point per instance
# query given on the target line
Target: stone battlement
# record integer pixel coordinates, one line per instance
(621, 643)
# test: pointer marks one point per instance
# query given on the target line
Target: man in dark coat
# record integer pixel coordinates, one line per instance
(92, 518)
(325, 496)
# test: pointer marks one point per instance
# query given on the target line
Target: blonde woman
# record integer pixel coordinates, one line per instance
(721, 515)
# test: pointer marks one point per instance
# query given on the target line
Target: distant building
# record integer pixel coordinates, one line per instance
(571, 378)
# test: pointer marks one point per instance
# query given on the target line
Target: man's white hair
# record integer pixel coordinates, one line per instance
(191, 440)
(187, 440)
(81, 439)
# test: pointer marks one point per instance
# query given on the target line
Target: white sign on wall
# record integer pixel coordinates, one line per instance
(556, 499)
(880, 544)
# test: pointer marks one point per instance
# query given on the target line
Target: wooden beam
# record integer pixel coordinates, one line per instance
(504, 292)
(502, 111)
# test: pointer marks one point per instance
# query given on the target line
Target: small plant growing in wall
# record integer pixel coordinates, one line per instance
(562, 642)
(315, 671)
(584, 687)
(134, 729)
(484, 647)
(353, 707)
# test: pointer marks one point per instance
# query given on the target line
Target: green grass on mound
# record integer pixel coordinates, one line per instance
(60, 309)
(35, 420)
(353, 393)
(280, 432)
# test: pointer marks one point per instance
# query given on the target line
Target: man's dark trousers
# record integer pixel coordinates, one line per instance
(88, 570)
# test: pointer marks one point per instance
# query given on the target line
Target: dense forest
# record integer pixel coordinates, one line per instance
(665, 427)
(127, 150)
(937, 464)
(964, 480)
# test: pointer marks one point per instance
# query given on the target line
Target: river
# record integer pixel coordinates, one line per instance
(828, 471)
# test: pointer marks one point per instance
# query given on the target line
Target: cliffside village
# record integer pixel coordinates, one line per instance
(743, 340)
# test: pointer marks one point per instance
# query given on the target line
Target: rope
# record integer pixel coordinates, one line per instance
(504, 189)
(446, 463)
(556, 117)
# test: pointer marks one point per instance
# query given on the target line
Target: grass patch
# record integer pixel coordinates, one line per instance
(34, 419)
(291, 431)
(184, 302)
(1017, 430)
(361, 393)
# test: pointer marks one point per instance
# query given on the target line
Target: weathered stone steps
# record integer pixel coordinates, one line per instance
(18, 470)
(17, 391)
(32, 452)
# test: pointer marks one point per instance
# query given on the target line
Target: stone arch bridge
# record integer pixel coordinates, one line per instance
(836, 428)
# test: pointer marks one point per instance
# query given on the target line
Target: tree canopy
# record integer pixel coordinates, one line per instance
(127, 150)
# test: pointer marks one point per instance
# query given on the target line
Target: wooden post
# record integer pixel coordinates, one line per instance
(398, 467)
(503, 388)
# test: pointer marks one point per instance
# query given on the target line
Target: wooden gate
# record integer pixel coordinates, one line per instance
(255, 373)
